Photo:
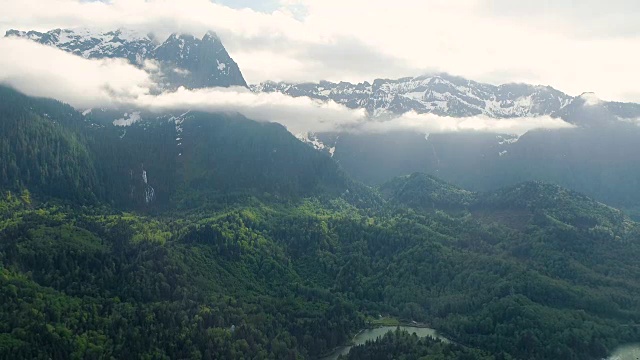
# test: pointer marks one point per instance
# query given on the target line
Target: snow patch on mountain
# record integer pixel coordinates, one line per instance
(178, 120)
(221, 65)
(440, 94)
(507, 139)
(128, 119)
(311, 139)
(183, 72)
(314, 141)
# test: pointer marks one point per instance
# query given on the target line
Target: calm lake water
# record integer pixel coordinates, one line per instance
(629, 352)
(372, 334)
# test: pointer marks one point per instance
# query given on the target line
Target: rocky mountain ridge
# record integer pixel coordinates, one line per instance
(448, 95)
(180, 60)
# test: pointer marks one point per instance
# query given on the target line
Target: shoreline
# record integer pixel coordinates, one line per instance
(373, 327)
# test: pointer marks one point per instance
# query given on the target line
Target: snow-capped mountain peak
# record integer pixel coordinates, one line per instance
(184, 59)
(441, 94)
(92, 44)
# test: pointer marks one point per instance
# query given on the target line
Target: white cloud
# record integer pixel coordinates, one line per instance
(635, 121)
(40, 70)
(584, 18)
(487, 40)
(44, 71)
(433, 124)
(151, 66)
(297, 114)
(591, 99)
(302, 114)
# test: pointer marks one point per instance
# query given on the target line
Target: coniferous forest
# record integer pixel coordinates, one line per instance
(252, 245)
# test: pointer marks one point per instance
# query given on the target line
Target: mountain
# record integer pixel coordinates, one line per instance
(425, 192)
(183, 59)
(195, 235)
(223, 154)
(543, 202)
(516, 206)
(587, 110)
(448, 95)
(161, 160)
(441, 94)
(599, 156)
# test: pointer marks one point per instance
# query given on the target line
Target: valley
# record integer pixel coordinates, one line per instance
(247, 250)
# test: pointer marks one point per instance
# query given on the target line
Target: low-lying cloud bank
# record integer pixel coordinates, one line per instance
(300, 114)
(39, 70)
(434, 124)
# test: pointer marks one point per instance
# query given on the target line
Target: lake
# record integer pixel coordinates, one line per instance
(628, 352)
(372, 334)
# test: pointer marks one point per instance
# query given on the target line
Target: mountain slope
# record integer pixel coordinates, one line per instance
(426, 192)
(42, 151)
(552, 203)
(277, 280)
(598, 157)
(221, 154)
(161, 160)
(183, 60)
(256, 245)
(92, 283)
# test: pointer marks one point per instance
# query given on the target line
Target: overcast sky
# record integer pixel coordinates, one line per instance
(575, 46)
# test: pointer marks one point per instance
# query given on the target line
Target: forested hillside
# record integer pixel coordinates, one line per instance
(256, 246)
(599, 157)
(301, 279)
(40, 148)
(169, 160)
